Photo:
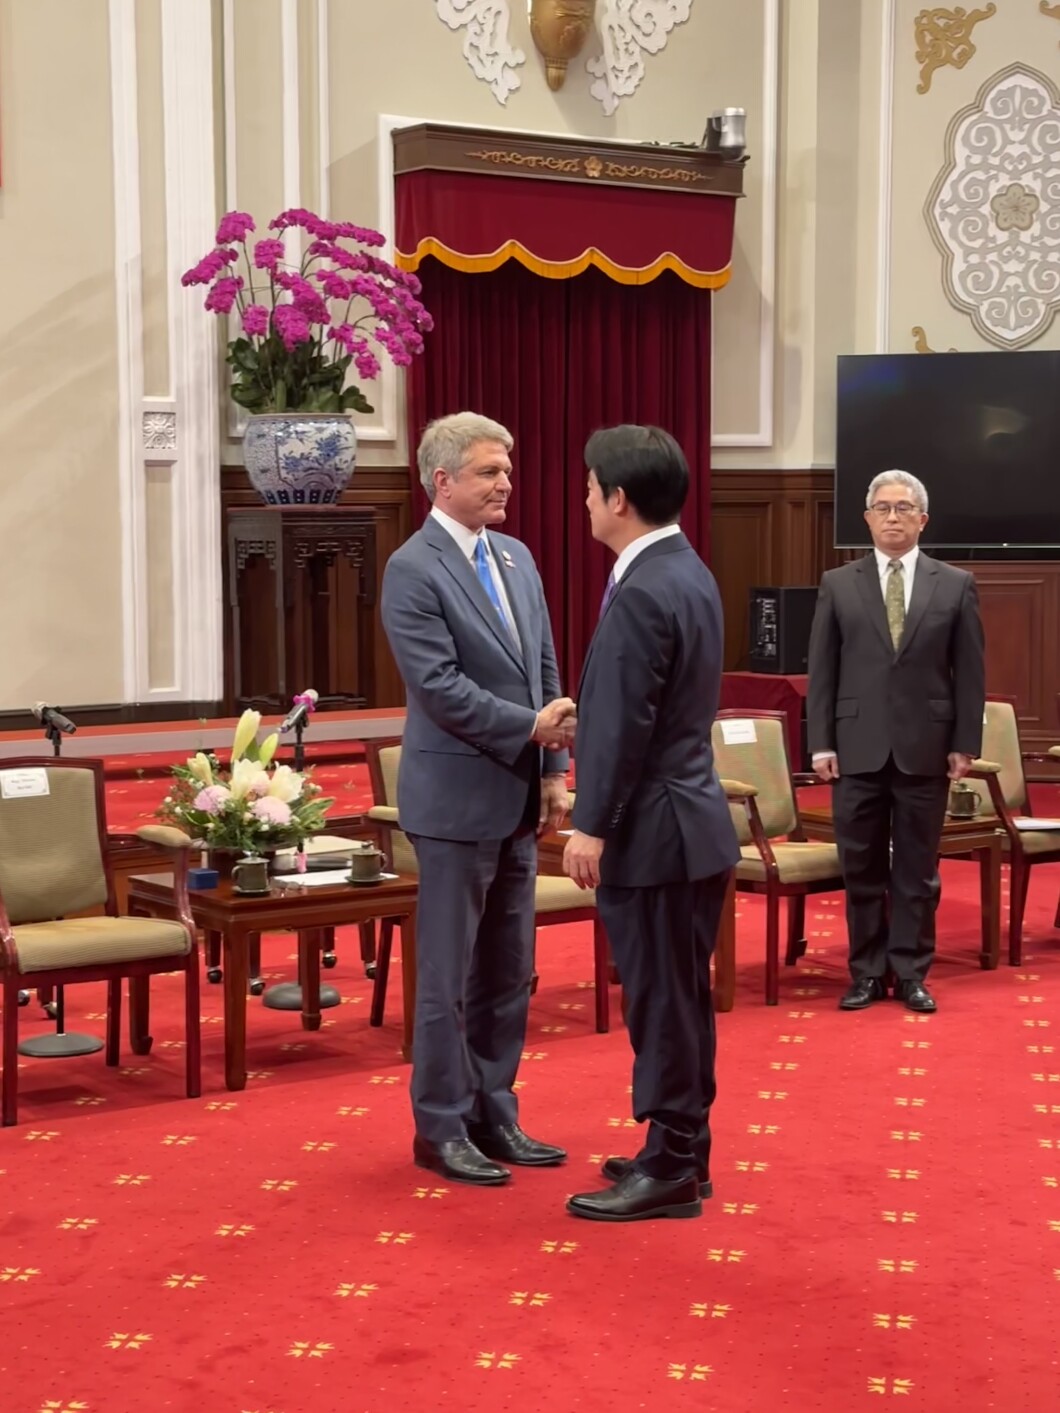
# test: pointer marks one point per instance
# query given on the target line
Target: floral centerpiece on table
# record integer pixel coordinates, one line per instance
(253, 806)
(303, 324)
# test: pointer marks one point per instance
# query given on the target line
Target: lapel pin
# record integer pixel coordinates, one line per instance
(508, 561)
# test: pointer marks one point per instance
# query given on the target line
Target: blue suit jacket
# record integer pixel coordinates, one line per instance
(648, 697)
(468, 768)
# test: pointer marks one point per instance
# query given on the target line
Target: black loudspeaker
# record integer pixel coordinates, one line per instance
(780, 629)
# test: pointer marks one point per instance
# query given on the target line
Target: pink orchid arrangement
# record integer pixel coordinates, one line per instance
(303, 327)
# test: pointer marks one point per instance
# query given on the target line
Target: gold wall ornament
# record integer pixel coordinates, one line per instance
(944, 39)
(559, 28)
(1053, 11)
(920, 343)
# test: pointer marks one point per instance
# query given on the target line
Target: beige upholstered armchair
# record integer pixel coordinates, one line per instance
(1005, 791)
(557, 900)
(53, 872)
(751, 751)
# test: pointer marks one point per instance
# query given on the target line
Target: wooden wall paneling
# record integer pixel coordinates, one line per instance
(1020, 607)
(741, 557)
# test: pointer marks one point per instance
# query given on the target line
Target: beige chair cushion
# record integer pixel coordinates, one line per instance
(403, 858)
(389, 760)
(1001, 743)
(561, 895)
(762, 764)
(95, 941)
(1036, 841)
(50, 859)
(796, 863)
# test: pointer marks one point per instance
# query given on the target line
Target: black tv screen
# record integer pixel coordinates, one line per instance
(981, 430)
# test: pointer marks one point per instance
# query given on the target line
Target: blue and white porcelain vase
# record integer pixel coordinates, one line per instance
(300, 458)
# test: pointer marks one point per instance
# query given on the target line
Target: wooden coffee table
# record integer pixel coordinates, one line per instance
(977, 838)
(309, 911)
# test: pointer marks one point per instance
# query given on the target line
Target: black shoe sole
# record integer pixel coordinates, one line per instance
(523, 1162)
(470, 1180)
(677, 1209)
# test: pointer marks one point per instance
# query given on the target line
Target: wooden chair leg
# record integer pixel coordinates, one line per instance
(772, 948)
(796, 930)
(601, 978)
(255, 983)
(9, 1080)
(192, 1028)
(213, 956)
(113, 1048)
(1019, 878)
(327, 947)
(1056, 920)
(140, 1015)
(382, 972)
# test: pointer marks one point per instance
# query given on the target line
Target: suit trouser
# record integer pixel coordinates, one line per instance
(475, 960)
(887, 828)
(662, 939)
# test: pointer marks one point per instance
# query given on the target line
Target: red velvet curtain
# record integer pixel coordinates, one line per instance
(553, 360)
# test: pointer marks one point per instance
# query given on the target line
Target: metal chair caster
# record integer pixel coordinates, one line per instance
(51, 1010)
(329, 959)
(369, 970)
(257, 986)
(214, 975)
(23, 998)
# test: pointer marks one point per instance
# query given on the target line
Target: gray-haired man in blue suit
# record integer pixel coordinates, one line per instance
(465, 615)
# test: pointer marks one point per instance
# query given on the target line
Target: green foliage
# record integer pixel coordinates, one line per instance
(271, 378)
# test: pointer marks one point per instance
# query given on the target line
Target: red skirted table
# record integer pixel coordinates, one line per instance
(767, 691)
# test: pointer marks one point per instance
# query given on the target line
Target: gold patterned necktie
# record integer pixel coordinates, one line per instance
(895, 601)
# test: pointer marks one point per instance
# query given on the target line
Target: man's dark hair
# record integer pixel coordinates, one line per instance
(647, 464)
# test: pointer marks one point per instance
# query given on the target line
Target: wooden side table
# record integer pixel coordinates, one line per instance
(309, 911)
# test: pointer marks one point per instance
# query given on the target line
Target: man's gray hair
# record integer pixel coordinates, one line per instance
(915, 487)
(447, 441)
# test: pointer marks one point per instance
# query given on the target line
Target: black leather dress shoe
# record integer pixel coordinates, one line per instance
(509, 1144)
(459, 1160)
(616, 1168)
(863, 993)
(915, 996)
(636, 1198)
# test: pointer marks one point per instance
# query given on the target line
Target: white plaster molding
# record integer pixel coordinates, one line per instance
(885, 195)
(488, 50)
(188, 102)
(994, 209)
(629, 29)
(763, 434)
(323, 111)
(235, 416)
(128, 282)
(158, 424)
(291, 117)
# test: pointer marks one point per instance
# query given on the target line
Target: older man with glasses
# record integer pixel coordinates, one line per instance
(894, 713)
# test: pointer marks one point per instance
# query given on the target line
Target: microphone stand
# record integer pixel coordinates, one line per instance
(61, 1045)
(287, 995)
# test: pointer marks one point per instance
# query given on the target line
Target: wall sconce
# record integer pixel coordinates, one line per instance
(559, 29)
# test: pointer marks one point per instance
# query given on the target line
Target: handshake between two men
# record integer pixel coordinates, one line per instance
(554, 729)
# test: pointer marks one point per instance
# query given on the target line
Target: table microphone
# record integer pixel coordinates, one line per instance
(53, 717)
(304, 705)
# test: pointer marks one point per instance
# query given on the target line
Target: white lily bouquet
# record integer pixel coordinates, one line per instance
(253, 806)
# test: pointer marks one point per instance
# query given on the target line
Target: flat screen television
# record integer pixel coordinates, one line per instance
(981, 430)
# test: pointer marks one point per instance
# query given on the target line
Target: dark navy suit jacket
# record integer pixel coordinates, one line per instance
(645, 779)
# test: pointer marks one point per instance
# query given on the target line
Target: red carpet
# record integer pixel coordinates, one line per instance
(886, 1224)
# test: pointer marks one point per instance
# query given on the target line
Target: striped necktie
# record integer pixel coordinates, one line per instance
(482, 568)
(609, 593)
(895, 601)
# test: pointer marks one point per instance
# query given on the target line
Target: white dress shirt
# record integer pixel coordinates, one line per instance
(629, 554)
(908, 562)
(468, 541)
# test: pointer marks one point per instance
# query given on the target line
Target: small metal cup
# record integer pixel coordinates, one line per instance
(251, 875)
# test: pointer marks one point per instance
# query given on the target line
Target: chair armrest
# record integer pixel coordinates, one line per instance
(383, 814)
(736, 790)
(1054, 752)
(165, 836)
(802, 778)
(1037, 756)
(983, 769)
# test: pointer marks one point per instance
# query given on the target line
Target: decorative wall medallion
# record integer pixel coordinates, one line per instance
(159, 431)
(629, 30)
(944, 39)
(994, 209)
(487, 47)
(920, 343)
(559, 29)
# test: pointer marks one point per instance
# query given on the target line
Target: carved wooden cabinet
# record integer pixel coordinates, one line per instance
(301, 596)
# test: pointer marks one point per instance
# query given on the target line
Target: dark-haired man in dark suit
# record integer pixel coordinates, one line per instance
(652, 830)
(894, 712)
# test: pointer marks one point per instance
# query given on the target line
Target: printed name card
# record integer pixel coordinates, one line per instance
(738, 732)
(23, 784)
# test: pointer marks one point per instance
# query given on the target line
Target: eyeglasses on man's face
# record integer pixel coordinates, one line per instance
(902, 508)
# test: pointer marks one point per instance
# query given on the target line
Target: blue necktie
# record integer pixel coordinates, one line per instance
(482, 567)
(609, 593)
